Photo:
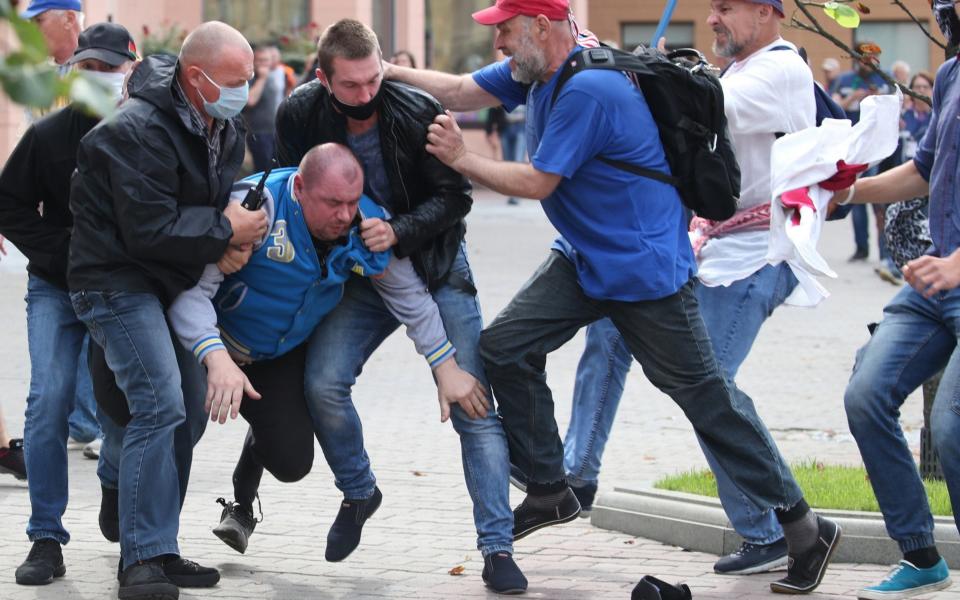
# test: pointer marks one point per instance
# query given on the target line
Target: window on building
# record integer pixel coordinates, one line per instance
(261, 20)
(384, 24)
(454, 42)
(679, 35)
(901, 40)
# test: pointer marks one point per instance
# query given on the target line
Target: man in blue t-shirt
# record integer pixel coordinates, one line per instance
(625, 255)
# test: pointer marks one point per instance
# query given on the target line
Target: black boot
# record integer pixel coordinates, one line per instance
(44, 562)
(344, 535)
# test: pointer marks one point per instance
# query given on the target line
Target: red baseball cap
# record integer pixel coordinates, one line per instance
(555, 10)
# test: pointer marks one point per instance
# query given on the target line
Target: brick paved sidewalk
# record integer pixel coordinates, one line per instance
(424, 528)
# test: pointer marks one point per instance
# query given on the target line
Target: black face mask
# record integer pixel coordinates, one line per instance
(360, 112)
(946, 13)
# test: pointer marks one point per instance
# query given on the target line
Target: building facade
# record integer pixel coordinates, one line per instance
(441, 34)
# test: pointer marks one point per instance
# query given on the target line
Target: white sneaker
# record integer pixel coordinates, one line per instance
(73, 444)
(92, 450)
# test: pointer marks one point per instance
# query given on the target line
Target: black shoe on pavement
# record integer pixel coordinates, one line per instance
(805, 570)
(344, 535)
(109, 518)
(188, 574)
(146, 581)
(753, 558)
(651, 588)
(585, 495)
(527, 518)
(518, 478)
(11, 460)
(502, 575)
(236, 525)
(861, 254)
(44, 562)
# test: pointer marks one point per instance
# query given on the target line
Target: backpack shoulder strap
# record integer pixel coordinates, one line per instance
(611, 60)
(598, 58)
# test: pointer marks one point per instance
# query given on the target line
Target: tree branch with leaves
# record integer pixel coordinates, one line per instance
(846, 13)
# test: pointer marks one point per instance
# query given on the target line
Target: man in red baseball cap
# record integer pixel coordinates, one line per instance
(624, 255)
(555, 10)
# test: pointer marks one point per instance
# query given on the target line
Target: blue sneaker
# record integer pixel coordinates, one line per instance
(906, 581)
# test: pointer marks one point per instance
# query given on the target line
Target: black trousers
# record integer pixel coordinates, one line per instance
(280, 422)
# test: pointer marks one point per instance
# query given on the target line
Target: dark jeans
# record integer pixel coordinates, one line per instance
(669, 340)
(262, 146)
(280, 422)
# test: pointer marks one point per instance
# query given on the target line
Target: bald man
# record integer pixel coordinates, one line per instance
(150, 210)
(266, 312)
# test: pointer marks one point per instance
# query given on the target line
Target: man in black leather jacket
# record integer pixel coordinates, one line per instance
(149, 199)
(385, 124)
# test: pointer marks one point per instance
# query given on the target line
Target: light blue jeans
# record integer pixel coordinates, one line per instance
(83, 424)
(132, 330)
(336, 354)
(58, 379)
(916, 339)
(733, 316)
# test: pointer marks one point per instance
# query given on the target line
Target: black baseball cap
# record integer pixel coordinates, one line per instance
(107, 42)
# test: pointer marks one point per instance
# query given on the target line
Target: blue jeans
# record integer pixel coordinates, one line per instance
(336, 354)
(916, 339)
(194, 386)
(514, 142)
(132, 330)
(55, 338)
(551, 307)
(733, 316)
(601, 376)
(83, 423)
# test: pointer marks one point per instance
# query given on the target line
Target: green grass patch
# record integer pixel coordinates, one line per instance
(824, 486)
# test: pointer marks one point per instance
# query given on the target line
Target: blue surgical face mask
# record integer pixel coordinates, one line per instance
(229, 104)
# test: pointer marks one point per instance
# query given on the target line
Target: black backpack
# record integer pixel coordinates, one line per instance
(686, 102)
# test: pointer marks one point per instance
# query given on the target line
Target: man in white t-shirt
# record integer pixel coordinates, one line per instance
(768, 91)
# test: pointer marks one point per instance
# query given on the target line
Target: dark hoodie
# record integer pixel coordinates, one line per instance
(147, 204)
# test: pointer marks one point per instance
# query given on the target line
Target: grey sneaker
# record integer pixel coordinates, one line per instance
(236, 525)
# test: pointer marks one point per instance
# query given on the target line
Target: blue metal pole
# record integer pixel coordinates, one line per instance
(664, 21)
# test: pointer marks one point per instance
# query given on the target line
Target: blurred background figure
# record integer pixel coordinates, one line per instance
(900, 71)
(267, 91)
(505, 133)
(850, 89)
(404, 58)
(282, 70)
(831, 70)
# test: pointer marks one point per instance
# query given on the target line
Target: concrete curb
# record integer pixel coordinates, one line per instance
(699, 523)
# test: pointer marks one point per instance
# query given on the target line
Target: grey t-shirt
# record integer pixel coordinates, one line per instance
(261, 117)
(366, 147)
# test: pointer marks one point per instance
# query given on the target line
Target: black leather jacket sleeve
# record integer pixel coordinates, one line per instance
(291, 138)
(445, 202)
(153, 224)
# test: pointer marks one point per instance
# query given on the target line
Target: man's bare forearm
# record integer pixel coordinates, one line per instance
(900, 183)
(455, 92)
(508, 178)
